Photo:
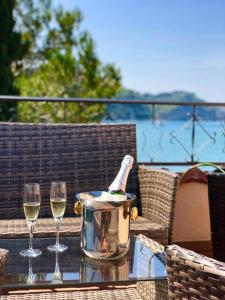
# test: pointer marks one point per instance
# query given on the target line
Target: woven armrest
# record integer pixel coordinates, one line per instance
(193, 276)
(157, 193)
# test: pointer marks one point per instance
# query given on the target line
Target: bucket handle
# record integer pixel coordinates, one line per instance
(78, 207)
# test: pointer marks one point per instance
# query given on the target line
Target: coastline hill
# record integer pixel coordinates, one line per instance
(142, 111)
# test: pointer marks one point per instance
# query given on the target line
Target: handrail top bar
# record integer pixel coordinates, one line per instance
(177, 163)
(106, 101)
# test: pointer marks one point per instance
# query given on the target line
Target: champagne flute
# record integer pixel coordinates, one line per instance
(31, 206)
(58, 206)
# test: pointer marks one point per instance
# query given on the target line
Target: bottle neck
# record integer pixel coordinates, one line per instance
(118, 186)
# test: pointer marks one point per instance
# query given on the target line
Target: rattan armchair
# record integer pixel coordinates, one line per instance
(157, 194)
(3, 264)
(87, 157)
(193, 276)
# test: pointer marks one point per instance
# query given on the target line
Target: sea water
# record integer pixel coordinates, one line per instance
(175, 141)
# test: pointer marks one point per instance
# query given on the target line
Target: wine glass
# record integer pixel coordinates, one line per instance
(31, 206)
(58, 205)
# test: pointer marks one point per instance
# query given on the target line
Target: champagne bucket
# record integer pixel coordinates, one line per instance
(105, 225)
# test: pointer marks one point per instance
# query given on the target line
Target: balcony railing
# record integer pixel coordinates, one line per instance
(182, 139)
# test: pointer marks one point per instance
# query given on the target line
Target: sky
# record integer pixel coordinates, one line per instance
(160, 45)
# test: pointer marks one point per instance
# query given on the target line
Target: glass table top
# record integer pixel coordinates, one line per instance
(73, 268)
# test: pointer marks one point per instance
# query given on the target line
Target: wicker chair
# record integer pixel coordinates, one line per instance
(145, 290)
(87, 157)
(157, 193)
(216, 190)
(3, 263)
(193, 276)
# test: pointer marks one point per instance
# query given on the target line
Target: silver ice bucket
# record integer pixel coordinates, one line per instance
(105, 225)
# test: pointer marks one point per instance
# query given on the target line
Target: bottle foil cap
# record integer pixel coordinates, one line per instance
(128, 161)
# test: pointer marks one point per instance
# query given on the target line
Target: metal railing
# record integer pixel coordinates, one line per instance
(107, 101)
(184, 138)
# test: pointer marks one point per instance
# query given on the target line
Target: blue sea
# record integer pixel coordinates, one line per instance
(171, 141)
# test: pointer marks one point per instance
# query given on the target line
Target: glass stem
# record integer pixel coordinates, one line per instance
(31, 237)
(57, 231)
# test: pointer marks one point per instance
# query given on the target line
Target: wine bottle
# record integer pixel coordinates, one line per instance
(118, 186)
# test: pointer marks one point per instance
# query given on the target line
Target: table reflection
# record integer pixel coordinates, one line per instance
(147, 264)
(93, 270)
(57, 276)
(31, 275)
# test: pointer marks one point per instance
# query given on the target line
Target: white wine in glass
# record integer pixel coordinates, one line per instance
(31, 206)
(58, 206)
(31, 211)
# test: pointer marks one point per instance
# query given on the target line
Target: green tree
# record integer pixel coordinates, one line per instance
(11, 52)
(62, 62)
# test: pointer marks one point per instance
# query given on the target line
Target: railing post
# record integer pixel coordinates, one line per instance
(153, 113)
(193, 133)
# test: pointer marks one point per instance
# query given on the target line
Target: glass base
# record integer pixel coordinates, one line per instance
(31, 253)
(57, 248)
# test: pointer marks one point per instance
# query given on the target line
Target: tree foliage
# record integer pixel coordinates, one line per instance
(61, 62)
(11, 51)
